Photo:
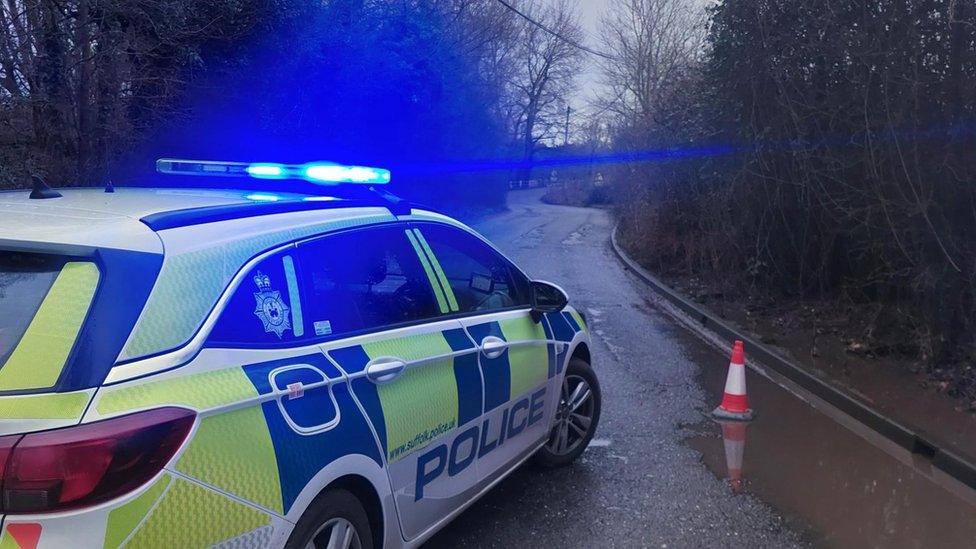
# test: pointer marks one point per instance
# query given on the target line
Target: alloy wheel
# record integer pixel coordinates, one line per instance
(337, 533)
(574, 416)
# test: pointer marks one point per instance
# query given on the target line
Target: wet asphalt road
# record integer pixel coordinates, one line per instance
(641, 485)
(657, 474)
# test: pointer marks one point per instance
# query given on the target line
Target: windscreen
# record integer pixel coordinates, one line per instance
(44, 300)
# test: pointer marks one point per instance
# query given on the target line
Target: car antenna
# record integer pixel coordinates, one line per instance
(41, 191)
(396, 205)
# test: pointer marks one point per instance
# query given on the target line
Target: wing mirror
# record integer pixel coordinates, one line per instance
(547, 298)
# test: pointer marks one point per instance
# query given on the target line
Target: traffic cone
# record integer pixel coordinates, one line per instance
(735, 403)
(734, 437)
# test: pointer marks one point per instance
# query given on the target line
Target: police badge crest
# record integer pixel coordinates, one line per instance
(271, 309)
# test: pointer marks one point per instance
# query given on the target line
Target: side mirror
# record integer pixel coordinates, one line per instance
(547, 298)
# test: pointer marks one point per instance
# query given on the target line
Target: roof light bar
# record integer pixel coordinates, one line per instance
(321, 173)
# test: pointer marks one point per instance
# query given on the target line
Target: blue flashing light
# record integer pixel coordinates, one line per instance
(261, 197)
(316, 172)
(267, 171)
(336, 173)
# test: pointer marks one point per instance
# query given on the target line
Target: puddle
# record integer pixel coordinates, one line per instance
(574, 239)
(853, 488)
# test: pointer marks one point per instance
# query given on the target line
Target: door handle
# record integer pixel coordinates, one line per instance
(493, 347)
(385, 369)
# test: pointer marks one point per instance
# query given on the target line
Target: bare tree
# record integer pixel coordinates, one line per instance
(651, 42)
(547, 65)
(489, 34)
(76, 76)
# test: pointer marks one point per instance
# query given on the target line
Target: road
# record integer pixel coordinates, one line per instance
(656, 473)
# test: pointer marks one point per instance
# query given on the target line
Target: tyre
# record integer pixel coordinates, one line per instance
(336, 519)
(577, 416)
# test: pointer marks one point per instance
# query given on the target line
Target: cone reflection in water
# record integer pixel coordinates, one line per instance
(734, 438)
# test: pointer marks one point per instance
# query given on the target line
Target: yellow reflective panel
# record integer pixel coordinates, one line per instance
(448, 291)
(41, 354)
(528, 364)
(423, 403)
(201, 391)
(46, 406)
(431, 277)
(124, 520)
(189, 515)
(234, 452)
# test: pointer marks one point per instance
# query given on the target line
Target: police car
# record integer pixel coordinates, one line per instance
(197, 367)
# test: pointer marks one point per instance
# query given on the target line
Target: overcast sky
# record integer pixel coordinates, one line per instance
(590, 13)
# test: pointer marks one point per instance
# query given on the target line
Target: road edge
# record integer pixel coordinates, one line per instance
(910, 440)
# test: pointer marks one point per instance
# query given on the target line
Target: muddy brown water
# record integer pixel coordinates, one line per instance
(847, 485)
(886, 383)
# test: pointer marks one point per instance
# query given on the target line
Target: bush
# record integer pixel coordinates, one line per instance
(829, 154)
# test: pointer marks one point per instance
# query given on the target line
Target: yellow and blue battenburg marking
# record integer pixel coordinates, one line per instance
(563, 327)
(425, 401)
(299, 456)
(522, 367)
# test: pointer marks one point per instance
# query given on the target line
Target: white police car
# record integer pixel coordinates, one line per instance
(189, 368)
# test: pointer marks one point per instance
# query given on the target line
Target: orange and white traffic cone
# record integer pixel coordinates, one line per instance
(735, 403)
(734, 437)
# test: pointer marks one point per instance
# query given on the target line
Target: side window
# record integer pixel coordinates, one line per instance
(479, 277)
(266, 308)
(364, 279)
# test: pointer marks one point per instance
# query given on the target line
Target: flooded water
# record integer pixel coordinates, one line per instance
(849, 487)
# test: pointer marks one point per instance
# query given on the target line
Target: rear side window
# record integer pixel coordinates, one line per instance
(479, 277)
(44, 301)
(266, 309)
(364, 280)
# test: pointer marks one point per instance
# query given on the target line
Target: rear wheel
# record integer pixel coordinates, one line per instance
(577, 416)
(335, 520)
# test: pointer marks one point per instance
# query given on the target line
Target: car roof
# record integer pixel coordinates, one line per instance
(129, 201)
(90, 217)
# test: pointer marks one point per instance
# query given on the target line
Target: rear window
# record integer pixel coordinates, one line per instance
(44, 301)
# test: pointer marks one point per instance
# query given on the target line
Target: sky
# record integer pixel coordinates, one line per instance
(591, 11)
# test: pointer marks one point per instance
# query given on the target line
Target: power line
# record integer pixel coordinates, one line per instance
(573, 43)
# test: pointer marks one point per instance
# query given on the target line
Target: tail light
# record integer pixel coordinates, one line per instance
(6, 448)
(85, 465)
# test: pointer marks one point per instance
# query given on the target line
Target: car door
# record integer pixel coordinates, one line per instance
(517, 359)
(376, 305)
